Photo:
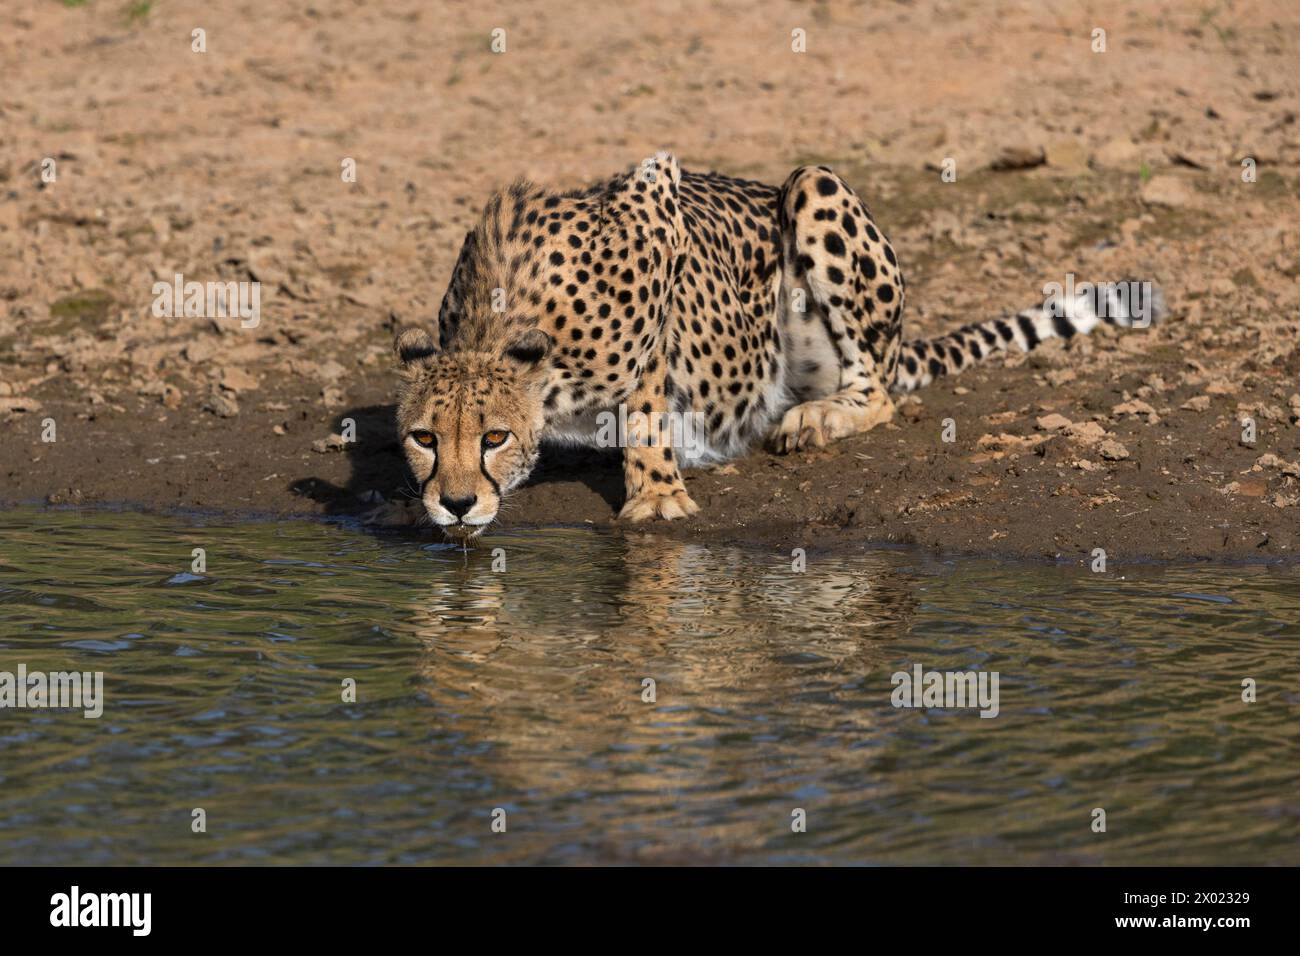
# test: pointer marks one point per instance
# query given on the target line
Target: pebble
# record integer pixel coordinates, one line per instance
(1117, 153)
(1053, 422)
(324, 446)
(1171, 191)
(222, 404)
(1087, 432)
(1112, 450)
(238, 380)
(1019, 157)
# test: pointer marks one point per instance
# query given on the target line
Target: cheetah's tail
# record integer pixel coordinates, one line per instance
(1127, 304)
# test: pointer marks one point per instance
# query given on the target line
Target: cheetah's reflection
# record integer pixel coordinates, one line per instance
(544, 667)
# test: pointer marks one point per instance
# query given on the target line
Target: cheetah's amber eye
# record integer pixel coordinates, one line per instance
(495, 439)
(423, 439)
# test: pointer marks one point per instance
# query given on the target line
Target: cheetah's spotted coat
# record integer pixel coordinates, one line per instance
(769, 312)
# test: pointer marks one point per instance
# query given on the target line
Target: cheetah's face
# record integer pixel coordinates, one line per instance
(469, 424)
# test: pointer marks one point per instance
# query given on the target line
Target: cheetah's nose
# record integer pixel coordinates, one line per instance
(458, 506)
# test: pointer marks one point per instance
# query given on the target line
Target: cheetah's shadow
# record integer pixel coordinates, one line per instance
(376, 464)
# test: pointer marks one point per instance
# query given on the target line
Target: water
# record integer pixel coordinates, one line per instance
(521, 689)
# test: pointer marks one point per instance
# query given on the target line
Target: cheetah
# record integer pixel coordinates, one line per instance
(760, 312)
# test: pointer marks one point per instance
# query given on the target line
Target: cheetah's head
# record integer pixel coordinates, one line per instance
(469, 423)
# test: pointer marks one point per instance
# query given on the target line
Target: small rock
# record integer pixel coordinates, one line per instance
(1013, 442)
(330, 371)
(200, 350)
(1269, 460)
(1019, 157)
(222, 404)
(1135, 407)
(18, 405)
(237, 380)
(1168, 191)
(1198, 404)
(1112, 450)
(1053, 422)
(1118, 153)
(1089, 433)
(325, 445)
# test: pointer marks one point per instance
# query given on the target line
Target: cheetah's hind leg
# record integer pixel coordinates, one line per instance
(842, 322)
(819, 421)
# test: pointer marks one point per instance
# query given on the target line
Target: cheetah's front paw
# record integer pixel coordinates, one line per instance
(667, 504)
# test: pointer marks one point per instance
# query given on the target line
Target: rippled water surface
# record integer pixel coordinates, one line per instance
(513, 679)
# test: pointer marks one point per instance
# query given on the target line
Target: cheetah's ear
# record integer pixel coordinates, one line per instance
(530, 348)
(413, 345)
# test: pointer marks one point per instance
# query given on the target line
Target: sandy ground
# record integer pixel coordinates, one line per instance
(228, 165)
